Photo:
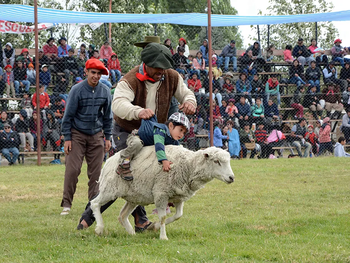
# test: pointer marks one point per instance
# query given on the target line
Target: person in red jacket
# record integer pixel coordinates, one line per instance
(114, 68)
(44, 101)
(312, 138)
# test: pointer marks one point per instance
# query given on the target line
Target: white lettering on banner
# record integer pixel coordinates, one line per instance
(14, 28)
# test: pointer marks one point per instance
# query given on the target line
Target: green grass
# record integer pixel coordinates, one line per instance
(285, 210)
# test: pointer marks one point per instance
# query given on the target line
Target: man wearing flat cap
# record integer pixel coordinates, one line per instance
(144, 91)
(86, 127)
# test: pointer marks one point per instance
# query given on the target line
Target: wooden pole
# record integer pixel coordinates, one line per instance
(268, 35)
(110, 24)
(258, 33)
(37, 82)
(210, 77)
(316, 33)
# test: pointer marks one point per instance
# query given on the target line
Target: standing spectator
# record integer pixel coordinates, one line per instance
(83, 50)
(52, 134)
(234, 146)
(26, 104)
(258, 90)
(91, 51)
(296, 74)
(297, 135)
(332, 97)
(199, 64)
(229, 54)
(86, 138)
(20, 76)
(258, 111)
(205, 51)
(287, 53)
(9, 79)
(9, 143)
(302, 53)
(325, 137)
(81, 60)
(311, 138)
(330, 75)
(272, 88)
(297, 103)
(261, 139)
(180, 62)
(8, 55)
(318, 53)
(31, 74)
(183, 43)
(2, 82)
(71, 66)
(22, 128)
(243, 86)
(244, 112)
(25, 57)
(339, 150)
(33, 129)
(50, 49)
(338, 52)
(345, 127)
(167, 43)
(247, 140)
(312, 102)
(248, 64)
(271, 114)
(345, 73)
(313, 76)
(218, 137)
(45, 76)
(44, 100)
(63, 48)
(114, 68)
(106, 51)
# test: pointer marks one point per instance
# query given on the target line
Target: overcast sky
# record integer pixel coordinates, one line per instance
(252, 7)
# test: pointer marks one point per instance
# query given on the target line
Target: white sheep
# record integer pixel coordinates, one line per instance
(189, 172)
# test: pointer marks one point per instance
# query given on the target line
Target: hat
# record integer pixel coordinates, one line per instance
(7, 125)
(30, 65)
(62, 38)
(182, 39)
(78, 79)
(157, 56)
(41, 50)
(180, 118)
(24, 50)
(233, 42)
(337, 40)
(23, 113)
(94, 63)
(7, 66)
(310, 126)
(43, 66)
(147, 40)
(8, 44)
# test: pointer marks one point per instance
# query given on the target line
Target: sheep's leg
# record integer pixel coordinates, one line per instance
(96, 209)
(179, 212)
(162, 218)
(123, 218)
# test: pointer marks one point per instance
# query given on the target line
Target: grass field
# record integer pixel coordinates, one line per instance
(284, 210)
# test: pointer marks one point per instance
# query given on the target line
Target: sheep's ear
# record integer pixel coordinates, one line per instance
(206, 155)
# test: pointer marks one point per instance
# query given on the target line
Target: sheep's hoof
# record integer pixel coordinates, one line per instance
(164, 238)
(99, 230)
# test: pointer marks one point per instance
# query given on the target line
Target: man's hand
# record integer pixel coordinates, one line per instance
(107, 145)
(67, 147)
(166, 165)
(188, 108)
(246, 117)
(146, 114)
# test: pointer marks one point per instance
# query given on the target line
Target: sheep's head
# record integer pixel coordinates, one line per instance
(218, 164)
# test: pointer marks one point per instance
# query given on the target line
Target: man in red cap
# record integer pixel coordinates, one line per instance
(86, 127)
(338, 52)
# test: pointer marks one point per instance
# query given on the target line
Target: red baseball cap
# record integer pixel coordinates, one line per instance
(337, 40)
(7, 66)
(94, 63)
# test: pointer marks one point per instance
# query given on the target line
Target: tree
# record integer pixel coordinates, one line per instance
(283, 34)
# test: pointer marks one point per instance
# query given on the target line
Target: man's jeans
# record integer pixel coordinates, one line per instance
(298, 145)
(6, 153)
(26, 83)
(227, 62)
(114, 73)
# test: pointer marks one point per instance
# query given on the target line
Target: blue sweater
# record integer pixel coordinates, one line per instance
(88, 110)
(243, 110)
(45, 77)
(271, 110)
(218, 137)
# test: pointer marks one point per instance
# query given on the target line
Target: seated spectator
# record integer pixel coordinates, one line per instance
(248, 64)
(194, 84)
(22, 128)
(258, 59)
(345, 73)
(258, 90)
(302, 54)
(338, 52)
(199, 64)
(91, 51)
(312, 102)
(25, 57)
(45, 76)
(20, 76)
(297, 103)
(345, 126)
(330, 75)
(227, 94)
(71, 66)
(325, 137)
(4, 119)
(83, 50)
(223, 110)
(26, 104)
(297, 135)
(244, 87)
(167, 43)
(247, 140)
(228, 54)
(339, 150)
(8, 78)
(276, 139)
(231, 110)
(50, 49)
(190, 62)
(288, 54)
(180, 61)
(114, 68)
(104, 80)
(228, 84)
(318, 127)
(272, 88)
(268, 56)
(258, 111)
(214, 60)
(318, 53)
(346, 98)
(44, 101)
(63, 48)
(58, 109)
(296, 74)
(183, 43)
(44, 60)
(311, 138)
(9, 143)
(332, 97)
(31, 74)
(272, 118)
(33, 128)
(218, 137)
(261, 139)
(244, 112)
(216, 112)
(313, 76)
(2, 82)
(8, 55)
(205, 51)
(81, 60)
(106, 51)
(234, 145)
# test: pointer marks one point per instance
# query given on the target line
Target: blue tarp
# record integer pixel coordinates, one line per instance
(23, 13)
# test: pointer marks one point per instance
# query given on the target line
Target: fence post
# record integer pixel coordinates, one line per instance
(155, 29)
(210, 77)
(268, 35)
(316, 33)
(258, 34)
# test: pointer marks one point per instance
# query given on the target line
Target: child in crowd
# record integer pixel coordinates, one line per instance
(58, 109)
(231, 109)
(22, 128)
(272, 88)
(312, 138)
(288, 54)
(218, 137)
(153, 133)
(261, 139)
(190, 62)
(45, 76)
(296, 103)
(9, 81)
(234, 146)
(96, 54)
(81, 60)
(339, 150)
(194, 83)
(223, 110)
(228, 84)
(114, 68)
(44, 101)
(31, 74)
(26, 104)
(258, 111)
(325, 137)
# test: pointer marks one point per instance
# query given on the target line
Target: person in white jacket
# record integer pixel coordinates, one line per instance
(339, 150)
